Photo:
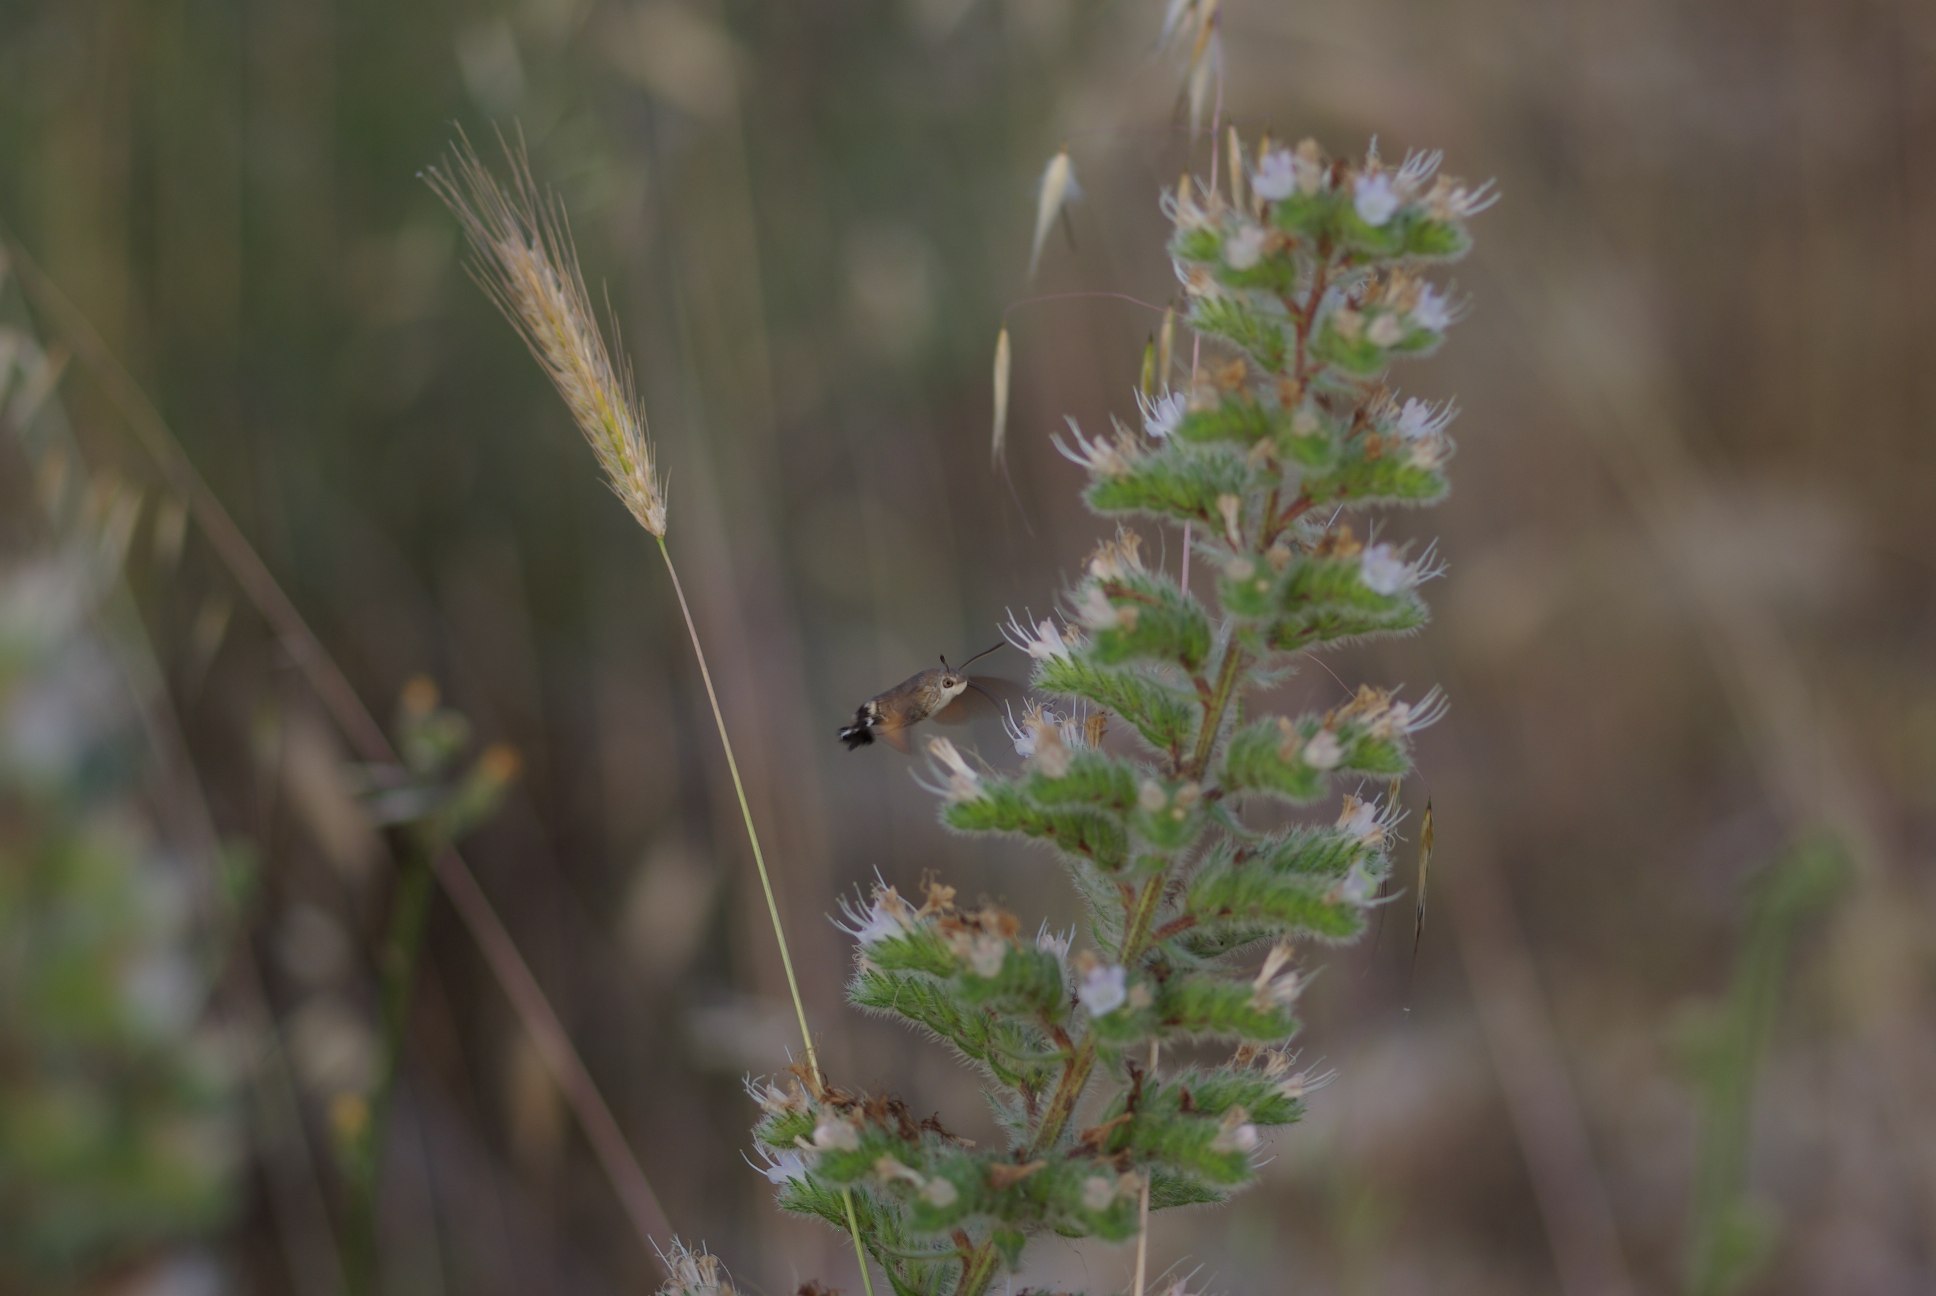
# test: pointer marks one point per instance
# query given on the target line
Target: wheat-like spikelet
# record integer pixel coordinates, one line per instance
(525, 260)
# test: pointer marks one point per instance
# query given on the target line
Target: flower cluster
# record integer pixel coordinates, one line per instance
(1174, 805)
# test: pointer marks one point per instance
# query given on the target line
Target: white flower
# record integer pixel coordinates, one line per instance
(1182, 207)
(1095, 611)
(835, 1135)
(984, 952)
(1433, 310)
(1021, 732)
(1043, 737)
(1056, 943)
(1277, 984)
(1375, 198)
(775, 1100)
(1312, 173)
(1418, 419)
(1323, 752)
(693, 1273)
(1410, 717)
(1098, 1191)
(1418, 167)
(1386, 330)
(1237, 1133)
(1359, 885)
(1295, 1087)
(887, 917)
(1245, 248)
(891, 1168)
(963, 783)
(1161, 415)
(1073, 728)
(782, 1166)
(1098, 456)
(1104, 988)
(1276, 175)
(940, 1193)
(1384, 572)
(1044, 642)
(1368, 822)
(1453, 200)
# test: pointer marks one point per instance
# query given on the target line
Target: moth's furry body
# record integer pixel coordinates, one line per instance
(910, 702)
(889, 715)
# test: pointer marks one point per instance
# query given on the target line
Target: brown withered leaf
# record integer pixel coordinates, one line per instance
(1007, 1176)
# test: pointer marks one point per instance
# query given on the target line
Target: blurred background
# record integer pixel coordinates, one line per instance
(1669, 1024)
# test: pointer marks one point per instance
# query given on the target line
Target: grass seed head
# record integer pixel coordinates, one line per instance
(523, 257)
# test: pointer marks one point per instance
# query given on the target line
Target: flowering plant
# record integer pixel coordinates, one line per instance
(1308, 278)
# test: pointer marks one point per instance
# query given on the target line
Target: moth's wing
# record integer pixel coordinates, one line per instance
(1002, 691)
(985, 694)
(895, 736)
(957, 712)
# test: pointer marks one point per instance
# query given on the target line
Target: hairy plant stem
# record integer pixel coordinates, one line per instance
(1233, 665)
(766, 886)
(402, 948)
(978, 1271)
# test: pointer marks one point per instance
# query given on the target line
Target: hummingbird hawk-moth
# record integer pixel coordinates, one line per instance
(888, 716)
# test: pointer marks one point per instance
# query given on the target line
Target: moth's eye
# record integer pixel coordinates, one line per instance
(950, 682)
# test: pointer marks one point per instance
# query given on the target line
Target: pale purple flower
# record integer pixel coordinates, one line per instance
(1418, 167)
(1384, 572)
(782, 1166)
(1418, 419)
(1046, 641)
(963, 783)
(1386, 330)
(1375, 198)
(1161, 414)
(1104, 988)
(1245, 248)
(1098, 1191)
(1276, 175)
(1433, 310)
(887, 917)
(1323, 751)
(1098, 455)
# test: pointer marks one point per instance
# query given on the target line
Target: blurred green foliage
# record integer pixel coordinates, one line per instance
(119, 1119)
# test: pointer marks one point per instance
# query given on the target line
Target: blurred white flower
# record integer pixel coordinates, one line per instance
(1245, 248)
(1375, 198)
(1163, 413)
(1276, 175)
(1104, 988)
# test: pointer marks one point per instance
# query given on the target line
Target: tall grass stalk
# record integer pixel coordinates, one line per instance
(766, 883)
(525, 262)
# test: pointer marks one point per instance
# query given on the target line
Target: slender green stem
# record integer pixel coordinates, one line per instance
(766, 886)
(1233, 663)
(402, 948)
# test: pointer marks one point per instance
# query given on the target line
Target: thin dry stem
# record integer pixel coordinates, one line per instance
(366, 737)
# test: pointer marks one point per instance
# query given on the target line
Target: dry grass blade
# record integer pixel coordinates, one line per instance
(261, 589)
(1206, 63)
(1058, 189)
(526, 262)
(1424, 865)
(1235, 147)
(1003, 358)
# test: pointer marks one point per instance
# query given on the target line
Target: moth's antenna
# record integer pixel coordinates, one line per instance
(1000, 643)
